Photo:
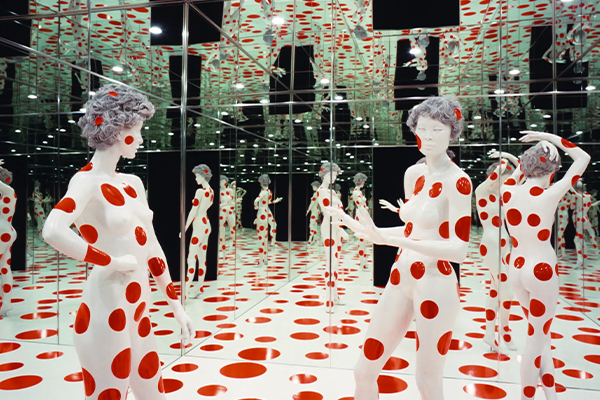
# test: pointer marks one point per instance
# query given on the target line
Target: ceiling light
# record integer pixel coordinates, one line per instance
(44, 142)
(254, 145)
(264, 101)
(324, 81)
(270, 135)
(477, 117)
(82, 109)
(366, 126)
(578, 132)
(32, 96)
(239, 86)
(62, 130)
(50, 136)
(242, 141)
(547, 116)
(415, 50)
(17, 130)
(153, 141)
(218, 132)
(12, 150)
(170, 134)
(499, 91)
(156, 30)
(590, 87)
(533, 125)
(224, 113)
(309, 128)
(146, 127)
(471, 126)
(338, 97)
(71, 121)
(359, 118)
(297, 120)
(514, 72)
(327, 140)
(211, 144)
(117, 68)
(92, 93)
(278, 20)
(197, 125)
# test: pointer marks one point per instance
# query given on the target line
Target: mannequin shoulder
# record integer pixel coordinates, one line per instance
(132, 180)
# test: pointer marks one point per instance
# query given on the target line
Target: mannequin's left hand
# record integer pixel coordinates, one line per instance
(277, 200)
(533, 136)
(187, 327)
(550, 149)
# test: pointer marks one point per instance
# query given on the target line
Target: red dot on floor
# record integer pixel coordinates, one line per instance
(49, 354)
(307, 396)
(309, 303)
(317, 356)
(265, 339)
(212, 390)
(303, 378)
(259, 354)
(390, 384)
(211, 347)
(172, 385)
(478, 371)
(229, 336)
(10, 366)
(575, 373)
(202, 334)
(74, 377)
(496, 357)
(186, 367)
(591, 358)
(336, 346)
(484, 391)
(8, 346)
(40, 315)
(258, 320)
(394, 364)
(20, 382)
(590, 339)
(243, 370)
(304, 336)
(306, 321)
(36, 334)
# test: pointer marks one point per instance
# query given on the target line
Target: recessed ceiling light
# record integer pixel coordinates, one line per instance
(297, 120)
(514, 72)
(32, 96)
(590, 87)
(155, 30)
(71, 121)
(324, 81)
(533, 125)
(170, 134)
(471, 126)
(242, 141)
(117, 68)
(211, 144)
(218, 132)
(359, 118)
(366, 126)
(264, 101)
(92, 93)
(415, 50)
(224, 113)
(578, 132)
(17, 130)
(197, 125)
(338, 97)
(477, 117)
(547, 116)
(499, 91)
(309, 128)
(50, 136)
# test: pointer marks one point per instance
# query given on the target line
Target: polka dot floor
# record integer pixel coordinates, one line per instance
(262, 334)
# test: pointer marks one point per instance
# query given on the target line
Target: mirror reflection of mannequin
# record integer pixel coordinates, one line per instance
(351, 210)
(494, 249)
(264, 218)
(8, 235)
(112, 331)
(358, 198)
(48, 202)
(226, 215)
(240, 192)
(201, 229)
(564, 205)
(594, 211)
(581, 204)
(38, 207)
(422, 284)
(332, 233)
(338, 190)
(528, 208)
(315, 212)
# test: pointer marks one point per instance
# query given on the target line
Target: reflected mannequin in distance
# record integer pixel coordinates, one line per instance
(240, 192)
(112, 330)
(494, 249)
(8, 235)
(528, 208)
(351, 210)
(581, 204)
(315, 212)
(264, 217)
(226, 215)
(564, 205)
(338, 190)
(203, 200)
(48, 202)
(38, 207)
(422, 283)
(332, 232)
(358, 198)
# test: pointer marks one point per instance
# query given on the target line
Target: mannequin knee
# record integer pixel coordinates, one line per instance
(364, 373)
(428, 384)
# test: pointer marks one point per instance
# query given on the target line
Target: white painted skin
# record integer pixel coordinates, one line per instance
(314, 211)
(265, 221)
(528, 208)
(112, 326)
(38, 208)
(358, 198)
(226, 216)
(8, 235)
(422, 285)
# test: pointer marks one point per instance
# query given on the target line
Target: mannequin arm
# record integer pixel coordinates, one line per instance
(277, 200)
(195, 203)
(6, 190)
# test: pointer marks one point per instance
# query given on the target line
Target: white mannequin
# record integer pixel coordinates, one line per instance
(529, 209)
(264, 218)
(112, 330)
(38, 207)
(564, 205)
(351, 207)
(48, 200)
(226, 215)
(201, 229)
(8, 235)
(494, 251)
(422, 284)
(332, 233)
(314, 211)
(358, 198)
(240, 192)
(581, 204)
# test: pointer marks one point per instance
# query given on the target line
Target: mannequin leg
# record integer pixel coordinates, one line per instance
(505, 301)
(6, 277)
(387, 328)
(261, 229)
(362, 254)
(588, 227)
(146, 378)
(491, 313)
(273, 226)
(191, 262)
(222, 225)
(231, 223)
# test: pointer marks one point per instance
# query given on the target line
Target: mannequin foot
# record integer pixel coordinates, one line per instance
(5, 309)
(194, 293)
(510, 345)
(489, 340)
(339, 302)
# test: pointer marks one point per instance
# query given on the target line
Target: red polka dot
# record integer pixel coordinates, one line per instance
(543, 235)
(157, 266)
(444, 343)
(171, 291)
(530, 331)
(566, 143)
(110, 394)
(67, 205)
(128, 140)
(89, 233)
(483, 216)
(390, 384)
(408, 229)
(482, 249)
(11, 366)
(543, 272)
(463, 185)
(20, 382)
(519, 262)
(133, 292)
(82, 320)
(513, 216)
(429, 309)
(510, 182)
(88, 382)
(444, 267)
(493, 176)
(463, 228)
(484, 391)
(533, 220)
(129, 190)
(112, 195)
(140, 235)
(49, 355)
(482, 202)
(7, 347)
(536, 191)
(445, 230)
(478, 371)
(88, 167)
(435, 190)
(117, 320)
(243, 370)
(506, 197)
(326, 202)
(373, 349)
(547, 326)
(212, 390)
(548, 380)
(419, 184)
(194, 240)
(529, 391)
(536, 308)
(149, 365)
(329, 242)
(303, 378)
(144, 327)
(417, 269)
(490, 315)
(121, 364)
(259, 354)
(575, 179)
(395, 277)
(169, 385)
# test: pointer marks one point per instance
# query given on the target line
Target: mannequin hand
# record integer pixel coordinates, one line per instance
(533, 136)
(550, 149)
(187, 327)
(125, 264)
(277, 200)
(494, 154)
(368, 230)
(400, 204)
(388, 206)
(344, 236)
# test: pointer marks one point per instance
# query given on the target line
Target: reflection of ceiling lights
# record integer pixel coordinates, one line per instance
(211, 144)
(477, 117)
(71, 121)
(338, 97)
(264, 101)
(155, 30)
(239, 85)
(324, 81)
(32, 96)
(590, 87)
(415, 50)
(533, 125)
(278, 20)
(547, 116)
(224, 113)
(197, 125)
(82, 109)
(578, 132)
(242, 141)
(499, 91)
(92, 93)
(17, 130)
(117, 68)
(514, 72)
(366, 126)
(309, 128)
(359, 118)
(218, 132)
(471, 126)
(297, 120)
(50, 136)
(170, 134)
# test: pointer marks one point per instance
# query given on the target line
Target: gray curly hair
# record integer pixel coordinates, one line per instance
(223, 178)
(507, 171)
(6, 176)
(535, 162)
(264, 180)
(315, 184)
(328, 167)
(203, 170)
(113, 108)
(359, 178)
(444, 109)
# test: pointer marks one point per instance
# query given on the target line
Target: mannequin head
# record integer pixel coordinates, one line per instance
(329, 172)
(360, 179)
(202, 172)
(338, 187)
(579, 186)
(315, 185)
(36, 185)
(436, 122)
(264, 181)
(536, 162)
(115, 116)
(223, 180)
(6, 176)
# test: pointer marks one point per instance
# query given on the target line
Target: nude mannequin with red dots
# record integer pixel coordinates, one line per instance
(494, 249)
(529, 207)
(358, 198)
(264, 218)
(422, 284)
(201, 229)
(226, 214)
(332, 232)
(38, 207)
(8, 235)
(581, 204)
(112, 330)
(314, 211)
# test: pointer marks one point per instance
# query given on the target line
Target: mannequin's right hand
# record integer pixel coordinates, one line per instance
(387, 205)
(125, 264)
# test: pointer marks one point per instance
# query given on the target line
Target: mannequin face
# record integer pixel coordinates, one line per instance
(433, 137)
(200, 179)
(223, 184)
(130, 140)
(330, 175)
